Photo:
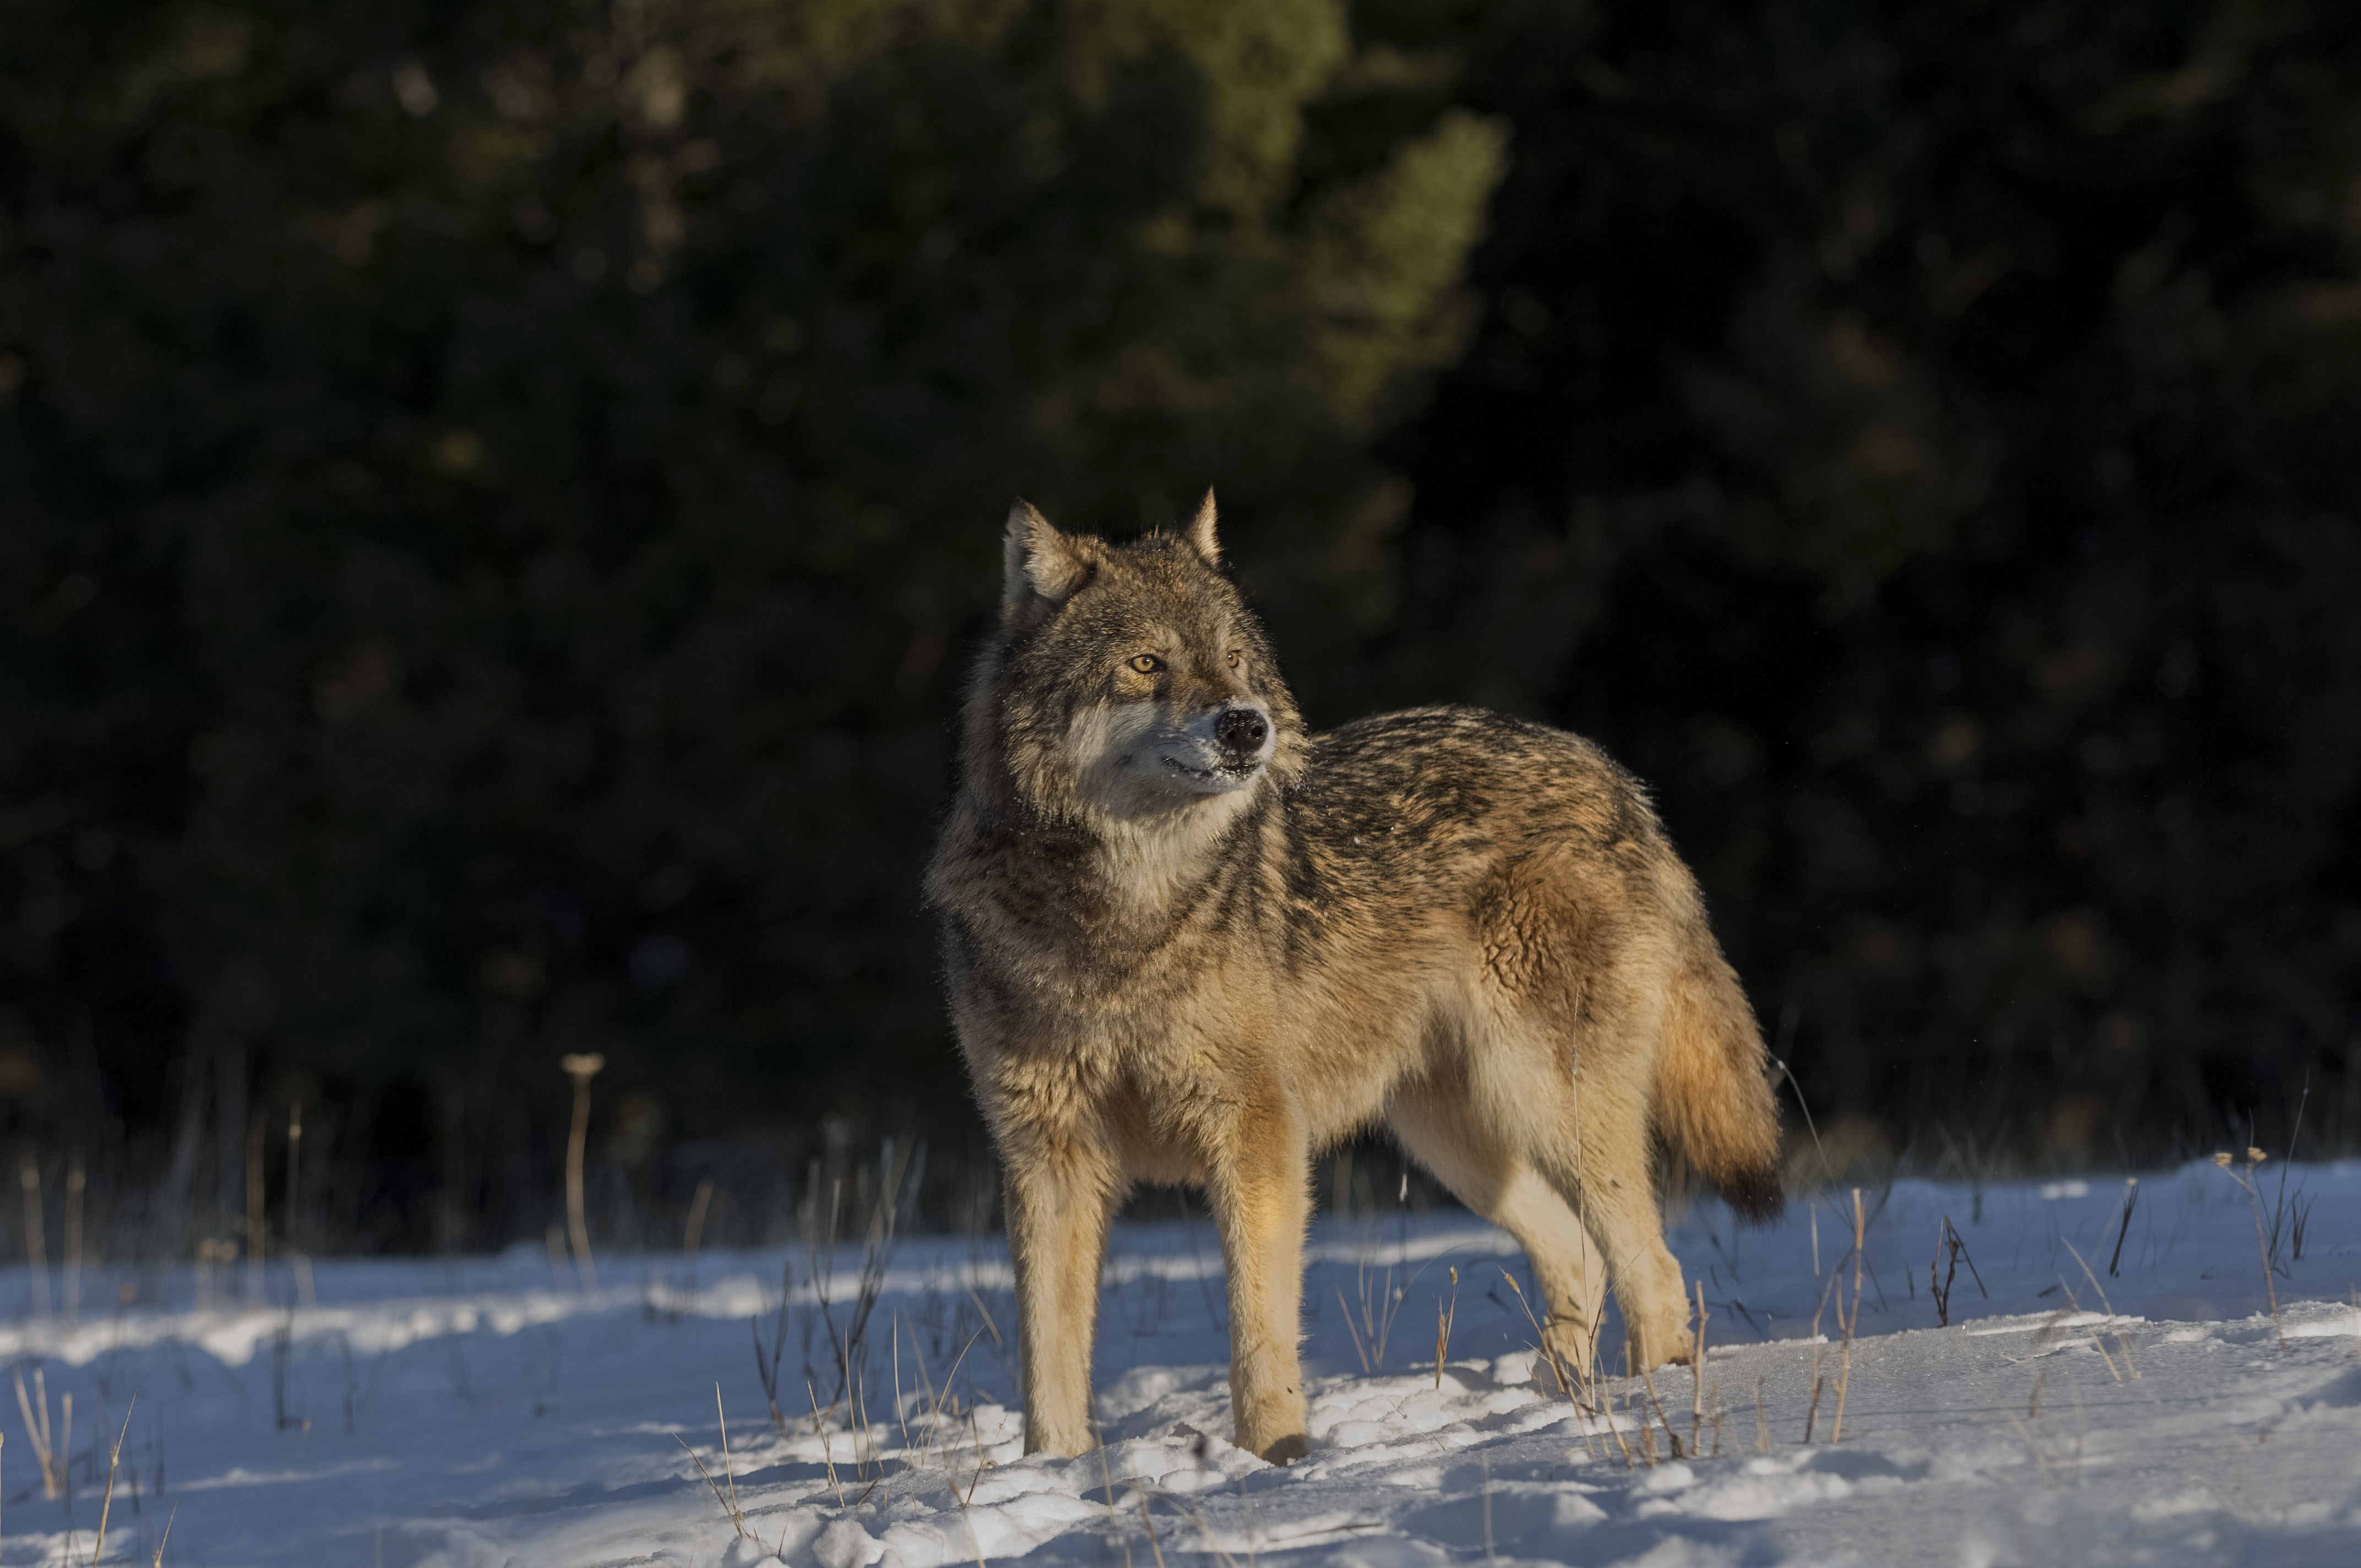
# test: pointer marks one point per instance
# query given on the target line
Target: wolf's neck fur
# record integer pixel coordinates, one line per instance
(1151, 866)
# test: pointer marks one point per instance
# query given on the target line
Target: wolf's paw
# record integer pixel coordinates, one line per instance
(1273, 1426)
(1287, 1450)
(1665, 1345)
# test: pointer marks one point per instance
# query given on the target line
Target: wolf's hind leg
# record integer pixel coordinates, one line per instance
(1062, 1198)
(1260, 1190)
(1612, 1185)
(1493, 1180)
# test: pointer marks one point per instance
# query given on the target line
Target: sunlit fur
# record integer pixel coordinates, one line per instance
(1462, 927)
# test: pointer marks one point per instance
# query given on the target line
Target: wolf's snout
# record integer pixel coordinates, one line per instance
(1242, 729)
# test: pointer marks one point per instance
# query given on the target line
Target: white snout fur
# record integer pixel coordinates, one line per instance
(1139, 755)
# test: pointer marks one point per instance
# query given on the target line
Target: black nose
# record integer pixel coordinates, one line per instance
(1242, 729)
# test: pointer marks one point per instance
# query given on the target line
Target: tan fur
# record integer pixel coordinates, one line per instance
(1174, 959)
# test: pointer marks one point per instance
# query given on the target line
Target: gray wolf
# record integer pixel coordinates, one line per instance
(1186, 941)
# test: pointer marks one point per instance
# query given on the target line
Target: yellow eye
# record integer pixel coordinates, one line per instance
(1236, 658)
(1146, 664)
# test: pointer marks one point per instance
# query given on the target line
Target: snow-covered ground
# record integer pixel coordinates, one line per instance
(2085, 1405)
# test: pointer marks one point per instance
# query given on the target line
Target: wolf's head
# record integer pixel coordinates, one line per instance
(1130, 681)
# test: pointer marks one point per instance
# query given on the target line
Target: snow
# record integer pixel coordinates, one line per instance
(2086, 1404)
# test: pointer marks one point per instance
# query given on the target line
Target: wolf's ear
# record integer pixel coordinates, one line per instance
(1037, 561)
(1200, 533)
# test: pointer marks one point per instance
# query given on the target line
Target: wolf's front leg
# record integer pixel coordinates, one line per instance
(1061, 1196)
(1261, 1194)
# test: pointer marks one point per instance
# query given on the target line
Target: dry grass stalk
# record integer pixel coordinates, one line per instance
(1376, 1324)
(76, 1181)
(254, 1213)
(1811, 1415)
(165, 1539)
(292, 1226)
(827, 1450)
(1671, 1438)
(697, 1207)
(767, 1365)
(937, 1401)
(1697, 1371)
(724, 1420)
(2131, 1202)
(37, 1431)
(37, 1251)
(2246, 1178)
(114, 1458)
(1762, 1421)
(901, 1415)
(735, 1521)
(1154, 1545)
(581, 1069)
(1607, 1408)
(865, 1452)
(1949, 1240)
(1444, 1318)
(730, 1507)
(1844, 1370)
(2122, 1344)
(1106, 1481)
(1540, 1341)
(1575, 1387)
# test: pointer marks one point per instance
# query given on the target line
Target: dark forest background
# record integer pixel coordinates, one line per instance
(493, 497)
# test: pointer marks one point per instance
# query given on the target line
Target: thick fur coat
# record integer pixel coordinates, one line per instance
(1186, 941)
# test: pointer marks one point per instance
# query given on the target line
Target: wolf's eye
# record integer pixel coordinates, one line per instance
(1146, 664)
(1236, 658)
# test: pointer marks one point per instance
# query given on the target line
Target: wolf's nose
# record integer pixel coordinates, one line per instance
(1242, 729)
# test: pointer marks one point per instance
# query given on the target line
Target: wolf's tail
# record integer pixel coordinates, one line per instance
(1713, 1096)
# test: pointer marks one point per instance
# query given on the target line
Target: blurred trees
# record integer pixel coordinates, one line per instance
(1925, 441)
(496, 492)
(494, 497)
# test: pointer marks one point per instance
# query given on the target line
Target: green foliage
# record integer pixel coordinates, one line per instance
(504, 488)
